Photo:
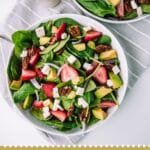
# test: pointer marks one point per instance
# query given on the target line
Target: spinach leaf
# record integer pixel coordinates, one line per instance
(98, 7)
(63, 126)
(68, 21)
(104, 39)
(130, 15)
(146, 8)
(92, 120)
(21, 39)
(35, 39)
(23, 92)
(14, 68)
(89, 97)
(48, 57)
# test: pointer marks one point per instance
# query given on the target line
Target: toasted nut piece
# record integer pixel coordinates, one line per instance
(74, 31)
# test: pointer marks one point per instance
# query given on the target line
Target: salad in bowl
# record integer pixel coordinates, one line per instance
(66, 75)
(115, 11)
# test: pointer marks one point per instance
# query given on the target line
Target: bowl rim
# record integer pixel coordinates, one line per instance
(108, 20)
(91, 128)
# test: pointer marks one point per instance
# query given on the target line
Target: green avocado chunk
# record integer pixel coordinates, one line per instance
(15, 84)
(117, 82)
(27, 103)
(102, 91)
(91, 86)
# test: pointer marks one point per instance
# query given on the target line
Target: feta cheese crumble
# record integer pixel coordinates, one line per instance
(87, 66)
(139, 11)
(35, 83)
(40, 32)
(42, 48)
(88, 28)
(116, 69)
(82, 102)
(80, 91)
(63, 36)
(133, 4)
(55, 92)
(71, 59)
(109, 83)
(24, 54)
(45, 70)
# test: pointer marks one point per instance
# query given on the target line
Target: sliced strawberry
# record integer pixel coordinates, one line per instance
(39, 73)
(48, 89)
(28, 75)
(68, 73)
(101, 75)
(34, 58)
(120, 9)
(38, 104)
(91, 35)
(107, 104)
(61, 115)
(59, 32)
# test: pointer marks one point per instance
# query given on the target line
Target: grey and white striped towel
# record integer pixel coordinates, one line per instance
(134, 38)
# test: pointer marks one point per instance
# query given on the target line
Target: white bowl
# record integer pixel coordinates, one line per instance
(124, 73)
(109, 20)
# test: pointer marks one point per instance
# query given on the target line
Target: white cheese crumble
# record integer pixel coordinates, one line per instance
(96, 56)
(71, 59)
(24, 54)
(35, 83)
(139, 11)
(45, 109)
(40, 32)
(46, 114)
(63, 36)
(133, 4)
(55, 92)
(82, 102)
(42, 48)
(116, 69)
(88, 28)
(45, 70)
(57, 105)
(80, 91)
(87, 66)
(109, 83)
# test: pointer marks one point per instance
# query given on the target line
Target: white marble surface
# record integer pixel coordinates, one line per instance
(130, 125)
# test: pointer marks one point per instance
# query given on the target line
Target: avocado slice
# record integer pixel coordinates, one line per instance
(117, 82)
(91, 86)
(72, 95)
(107, 55)
(15, 85)
(77, 80)
(54, 29)
(91, 45)
(49, 48)
(99, 113)
(61, 44)
(44, 40)
(52, 76)
(80, 46)
(28, 102)
(102, 91)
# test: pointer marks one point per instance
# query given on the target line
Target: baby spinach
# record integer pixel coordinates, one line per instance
(104, 39)
(21, 39)
(23, 92)
(130, 15)
(13, 69)
(98, 7)
(146, 8)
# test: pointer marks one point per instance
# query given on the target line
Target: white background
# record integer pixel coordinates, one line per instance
(130, 125)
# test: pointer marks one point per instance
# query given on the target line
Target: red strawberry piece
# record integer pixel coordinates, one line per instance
(38, 104)
(68, 73)
(61, 30)
(60, 115)
(28, 75)
(120, 9)
(39, 73)
(48, 89)
(91, 35)
(107, 104)
(101, 75)
(34, 58)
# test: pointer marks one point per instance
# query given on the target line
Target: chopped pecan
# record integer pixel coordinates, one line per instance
(144, 1)
(127, 6)
(64, 91)
(74, 31)
(101, 48)
(83, 115)
(25, 62)
(53, 40)
(70, 111)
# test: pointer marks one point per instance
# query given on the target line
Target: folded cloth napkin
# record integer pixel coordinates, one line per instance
(134, 38)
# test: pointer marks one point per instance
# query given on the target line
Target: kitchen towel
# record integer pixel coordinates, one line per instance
(134, 38)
